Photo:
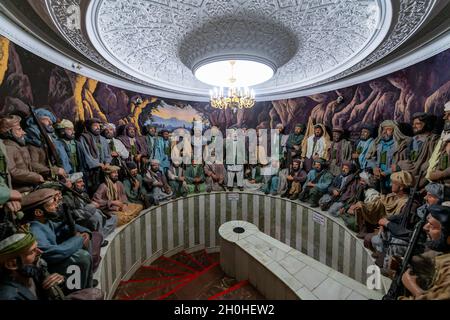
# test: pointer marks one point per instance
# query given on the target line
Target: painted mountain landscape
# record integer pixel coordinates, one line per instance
(26, 78)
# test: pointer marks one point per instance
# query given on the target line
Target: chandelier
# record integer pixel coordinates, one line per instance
(236, 98)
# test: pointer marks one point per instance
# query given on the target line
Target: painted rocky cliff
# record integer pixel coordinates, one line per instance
(27, 79)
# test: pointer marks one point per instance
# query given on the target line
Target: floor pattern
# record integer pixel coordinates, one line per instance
(184, 276)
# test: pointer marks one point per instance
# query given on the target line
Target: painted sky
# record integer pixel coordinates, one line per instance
(167, 111)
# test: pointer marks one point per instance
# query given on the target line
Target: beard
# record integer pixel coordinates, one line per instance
(79, 190)
(33, 270)
(114, 179)
(131, 134)
(52, 215)
(95, 132)
(68, 137)
(419, 131)
(439, 245)
(387, 138)
(109, 136)
(49, 129)
(20, 141)
(29, 270)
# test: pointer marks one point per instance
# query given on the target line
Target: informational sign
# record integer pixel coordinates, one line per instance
(233, 196)
(318, 218)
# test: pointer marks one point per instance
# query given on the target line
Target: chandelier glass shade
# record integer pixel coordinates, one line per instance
(233, 72)
(233, 78)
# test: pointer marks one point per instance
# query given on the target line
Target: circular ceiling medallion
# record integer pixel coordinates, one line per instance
(163, 41)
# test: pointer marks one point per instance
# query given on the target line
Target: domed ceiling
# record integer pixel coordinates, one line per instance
(307, 42)
(158, 43)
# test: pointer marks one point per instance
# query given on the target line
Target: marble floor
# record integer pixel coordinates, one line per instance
(195, 276)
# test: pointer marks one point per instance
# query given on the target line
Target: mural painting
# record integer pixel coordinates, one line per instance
(28, 79)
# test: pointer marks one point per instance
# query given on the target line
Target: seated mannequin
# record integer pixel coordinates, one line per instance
(156, 181)
(317, 183)
(112, 198)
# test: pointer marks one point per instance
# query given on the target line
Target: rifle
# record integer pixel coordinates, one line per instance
(127, 171)
(381, 181)
(54, 292)
(397, 285)
(63, 187)
(69, 220)
(52, 154)
(74, 192)
(412, 196)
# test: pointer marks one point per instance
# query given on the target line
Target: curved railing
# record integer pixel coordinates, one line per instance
(192, 224)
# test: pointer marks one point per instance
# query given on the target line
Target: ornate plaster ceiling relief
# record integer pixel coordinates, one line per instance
(159, 43)
(66, 16)
(162, 41)
(410, 17)
(254, 39)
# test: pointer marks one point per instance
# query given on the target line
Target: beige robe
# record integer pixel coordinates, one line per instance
(130, 211)
(378, 206)
(440, 288)
(20, 167)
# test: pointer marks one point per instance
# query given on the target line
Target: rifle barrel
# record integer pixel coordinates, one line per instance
(127, 170)
(396, 285)
(52, 154)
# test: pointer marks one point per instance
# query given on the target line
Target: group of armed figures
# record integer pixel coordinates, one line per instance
(62, 192)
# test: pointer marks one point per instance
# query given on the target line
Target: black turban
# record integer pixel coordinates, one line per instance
(442, 214)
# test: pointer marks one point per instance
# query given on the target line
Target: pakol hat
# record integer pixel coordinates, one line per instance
(37, 198)
(435, 189)
(8, 122)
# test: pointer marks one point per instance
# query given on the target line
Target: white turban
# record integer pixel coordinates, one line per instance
(447, 106)
(109, 125)
(74, 177)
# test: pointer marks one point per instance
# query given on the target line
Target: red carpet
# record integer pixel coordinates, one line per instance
(185, 276)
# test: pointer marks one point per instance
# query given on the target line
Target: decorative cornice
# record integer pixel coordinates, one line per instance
(66, 16)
